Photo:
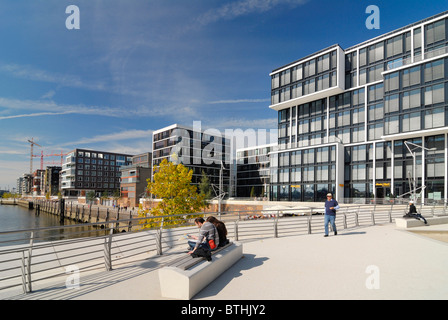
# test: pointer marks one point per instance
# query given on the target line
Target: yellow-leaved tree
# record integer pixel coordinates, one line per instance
(172, 184)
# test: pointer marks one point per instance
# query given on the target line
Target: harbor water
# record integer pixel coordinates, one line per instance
(14, 218)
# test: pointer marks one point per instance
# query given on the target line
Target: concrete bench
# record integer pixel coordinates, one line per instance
(185, 276)
(412, 222)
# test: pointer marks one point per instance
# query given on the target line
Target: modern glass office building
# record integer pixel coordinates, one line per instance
(253, 174)
(352, 121)
(203, 151)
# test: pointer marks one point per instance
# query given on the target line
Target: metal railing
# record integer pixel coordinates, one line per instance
(39, 256)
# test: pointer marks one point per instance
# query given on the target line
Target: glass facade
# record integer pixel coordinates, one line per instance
(253, 171)
(197, 150)
(395, 91)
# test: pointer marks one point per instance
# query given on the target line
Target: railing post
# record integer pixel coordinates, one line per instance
(30, 252)
(108, 250)
(345, 220)
(159, 239)
(309, 221)
(356, 217)
(236, 230)
(23, 273)
(373, 217)
(276, 225)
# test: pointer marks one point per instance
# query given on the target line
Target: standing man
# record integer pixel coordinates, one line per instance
(331, 206)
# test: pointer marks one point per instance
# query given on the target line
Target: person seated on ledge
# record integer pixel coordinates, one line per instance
(207, 232)
(413, 213)
(222, 230)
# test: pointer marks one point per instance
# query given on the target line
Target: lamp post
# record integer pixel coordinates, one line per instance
(413, 154)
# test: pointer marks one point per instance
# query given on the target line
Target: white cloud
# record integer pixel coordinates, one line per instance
(238, 101)
(239, 8)
(50, 94)
(65, 80)
(35, 115)
(116, 136)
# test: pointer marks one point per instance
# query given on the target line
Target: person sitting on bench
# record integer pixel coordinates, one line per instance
(413, 213)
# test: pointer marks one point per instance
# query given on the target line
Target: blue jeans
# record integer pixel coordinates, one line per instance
(329, 219)
(204, 245)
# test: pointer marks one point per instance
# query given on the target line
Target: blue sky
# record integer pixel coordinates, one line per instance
(135, 66)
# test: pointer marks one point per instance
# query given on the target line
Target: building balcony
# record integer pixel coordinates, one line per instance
(404, 62)
(68, 173)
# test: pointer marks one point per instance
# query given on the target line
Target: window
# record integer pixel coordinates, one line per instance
(285, 94)
(392, 104)
(285, 77)
(323, 63)
(297, 73)
(296, 175)
(309, 86)
(435, 32)
(392, 125)
(275, 97)
(358, 172)
(435, 94)
(376, 112)
(362, 77)
(376, 92)
(304, 126)
(284, 159)
(310, 68)
(434, 118)
(411, 122)
(316, 124)
(308, 173)
(394, 46)
(417, 38)
(411, 77)
(275, 81)
(322, 173)
(411, 99)
(296, 158)
(375, 131)
(283, 175)
(362, 57)
(358, 115)
(376, 52)
(359, 153)
(375, 73)
(322, 155)
(296, 91)
(358, 134)
(434, 70)
(344, 118)
(308, 156)
(358, 97)
(392, 81)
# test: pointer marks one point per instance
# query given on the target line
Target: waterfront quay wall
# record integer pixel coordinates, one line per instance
(81, 213)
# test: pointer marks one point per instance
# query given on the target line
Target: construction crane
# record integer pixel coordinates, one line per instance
(31, 156)
(42, 155)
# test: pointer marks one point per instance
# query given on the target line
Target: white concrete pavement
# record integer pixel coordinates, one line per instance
(376, 262)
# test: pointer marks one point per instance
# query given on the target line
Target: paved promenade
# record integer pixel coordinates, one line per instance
(377, 262)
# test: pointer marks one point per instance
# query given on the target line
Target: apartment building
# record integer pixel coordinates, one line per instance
(352, 121)
(92, 170)
(134, 179)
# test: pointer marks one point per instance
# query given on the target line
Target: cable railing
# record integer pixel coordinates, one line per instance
(35, 257)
